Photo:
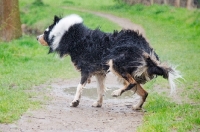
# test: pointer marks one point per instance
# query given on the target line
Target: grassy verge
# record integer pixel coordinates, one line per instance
(24, 63)
(164, 116)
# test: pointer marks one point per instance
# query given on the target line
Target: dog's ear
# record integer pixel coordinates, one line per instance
(56, 19)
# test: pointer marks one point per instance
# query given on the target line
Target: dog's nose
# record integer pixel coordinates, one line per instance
(37, 37)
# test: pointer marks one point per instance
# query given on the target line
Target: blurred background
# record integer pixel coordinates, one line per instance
(172, 27)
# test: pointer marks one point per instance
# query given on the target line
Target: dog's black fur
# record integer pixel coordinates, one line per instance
(91, 51)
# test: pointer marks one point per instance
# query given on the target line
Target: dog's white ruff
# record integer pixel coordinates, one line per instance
(61, 27)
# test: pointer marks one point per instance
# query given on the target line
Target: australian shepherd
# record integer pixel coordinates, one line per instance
(126, 53)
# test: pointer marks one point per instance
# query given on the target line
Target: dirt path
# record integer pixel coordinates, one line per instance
(56, 115)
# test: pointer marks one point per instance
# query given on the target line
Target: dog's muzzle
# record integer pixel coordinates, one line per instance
(41, 40)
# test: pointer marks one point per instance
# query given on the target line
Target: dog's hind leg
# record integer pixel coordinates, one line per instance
(127, 79)
(132, 85)
(139, 90)
(100, 89)
(75, 102)
(143, 95)
(129, 83)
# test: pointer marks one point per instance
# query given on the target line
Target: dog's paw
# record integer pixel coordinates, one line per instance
(74, 103)
(136, 107)
(116, 93)
(96, 104)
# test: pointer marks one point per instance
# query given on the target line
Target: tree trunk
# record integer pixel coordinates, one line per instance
(190, 4)
(10, 25)
(177, 3)
(165, 2)
(152, 2)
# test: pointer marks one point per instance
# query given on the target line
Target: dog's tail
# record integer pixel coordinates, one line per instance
(162, 69)
(172, 77)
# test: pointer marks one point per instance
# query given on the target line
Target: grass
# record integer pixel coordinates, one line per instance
(173, 32)
(44, 19)
(164, 115)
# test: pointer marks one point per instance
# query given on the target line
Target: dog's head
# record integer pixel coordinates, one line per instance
(45, 39)
(54, 33)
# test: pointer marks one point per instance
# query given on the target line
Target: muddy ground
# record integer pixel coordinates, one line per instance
(56, 115)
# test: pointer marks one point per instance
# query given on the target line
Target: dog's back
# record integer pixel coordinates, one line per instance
(133, 38)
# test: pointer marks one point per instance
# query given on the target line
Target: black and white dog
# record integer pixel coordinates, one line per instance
(94, 53)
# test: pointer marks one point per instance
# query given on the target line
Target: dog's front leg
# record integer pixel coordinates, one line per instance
(77, 97)
(100, 89)
(75, 102)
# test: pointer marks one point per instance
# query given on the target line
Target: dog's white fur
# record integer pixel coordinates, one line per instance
(47, 29)
(173, 76)
(100, 89)
(61, 27)
(78, 93)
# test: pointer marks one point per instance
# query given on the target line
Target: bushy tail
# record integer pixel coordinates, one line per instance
(173, 75)
(164, 70)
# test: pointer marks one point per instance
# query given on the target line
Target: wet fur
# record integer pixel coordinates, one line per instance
(94, 53)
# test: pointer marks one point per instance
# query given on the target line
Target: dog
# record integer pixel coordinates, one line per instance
(126, 53)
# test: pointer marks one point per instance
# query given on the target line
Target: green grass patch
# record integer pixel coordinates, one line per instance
(44, 19)
(12, 104)
(163, 115)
